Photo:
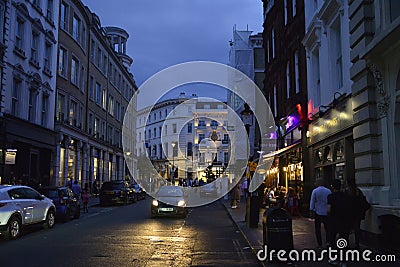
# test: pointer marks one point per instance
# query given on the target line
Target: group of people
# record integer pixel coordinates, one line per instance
(282, 197)
(340, 211)
(80, 194)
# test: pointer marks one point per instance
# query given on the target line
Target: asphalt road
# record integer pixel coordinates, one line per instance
(127, 236)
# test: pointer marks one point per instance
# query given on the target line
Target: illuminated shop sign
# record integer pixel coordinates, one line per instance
(289, 123)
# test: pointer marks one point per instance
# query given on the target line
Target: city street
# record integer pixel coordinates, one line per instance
(126, 236)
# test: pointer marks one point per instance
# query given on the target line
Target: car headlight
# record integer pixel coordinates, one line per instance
(155, 202)
(181, 203)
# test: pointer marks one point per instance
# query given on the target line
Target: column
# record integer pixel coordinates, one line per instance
(67, 141)
(85, 164)
(101, 166)
(56, 174)
(114, 167)
(78, 165)
(106, 171)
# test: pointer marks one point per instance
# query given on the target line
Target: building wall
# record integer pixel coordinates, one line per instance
(28, 89)
(89, 144)
(374, 31)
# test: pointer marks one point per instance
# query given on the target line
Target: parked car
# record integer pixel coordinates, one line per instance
(114, 192)
(140, 194)
(67, 205)
(21, 206)
(170, 201)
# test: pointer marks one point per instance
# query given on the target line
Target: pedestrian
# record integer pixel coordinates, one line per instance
(76, 189)
(319, 208)
(95, 191)
(245, 187)
(85, 199)
(340, 208)
(360, 207)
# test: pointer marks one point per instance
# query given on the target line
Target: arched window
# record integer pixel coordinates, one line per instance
(338, 151)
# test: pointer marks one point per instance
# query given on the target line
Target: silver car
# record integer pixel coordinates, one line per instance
(21, 206)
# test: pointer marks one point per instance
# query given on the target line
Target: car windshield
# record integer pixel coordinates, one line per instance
(110, 186)
(172, 191)
(51, 193)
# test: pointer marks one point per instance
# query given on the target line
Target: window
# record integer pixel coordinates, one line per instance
(45, 101)
(285, 12)
(174, 149)
(91, 88)
(76, 29)
(111, 105)
(103, 130)
(73, 113)
(62, 62)
(226, 157)
(19, 34)
(104, 99)
(92, 50)
(288, 79)
(64, 16)
(294, 7)
(273, 43)
(104, 64)
(60, 107)
(50, 9)
(174, 128)
(82, 79)
(16, 91)
(190, 126)
(98, 93)
(226, 137)
(189, 149)
(201, 137)
(110, 134)
(202, 123)
(32, 106)
(154, 132)
(74, 71)
(99, 57)
(296, 71)
(214, 124)
(90, 122)
(337, 54)
(47, 56)
(35, 46)
(97, 126)
(117, 110)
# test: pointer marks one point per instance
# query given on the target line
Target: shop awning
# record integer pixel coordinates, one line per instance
(281, 151)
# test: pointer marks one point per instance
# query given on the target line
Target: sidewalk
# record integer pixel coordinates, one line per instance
(303, 236)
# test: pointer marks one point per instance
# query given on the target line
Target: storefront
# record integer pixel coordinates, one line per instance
(330, 142)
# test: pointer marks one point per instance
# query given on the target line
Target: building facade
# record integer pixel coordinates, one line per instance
(28, 51)
(247, 55)
(170, 135)
(330, 136)
(94, 87)
(375, 54)
(285, 88)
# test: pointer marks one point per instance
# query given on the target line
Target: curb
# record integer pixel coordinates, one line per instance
(242, 233)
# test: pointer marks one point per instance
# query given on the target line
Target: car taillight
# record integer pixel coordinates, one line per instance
(2, 204)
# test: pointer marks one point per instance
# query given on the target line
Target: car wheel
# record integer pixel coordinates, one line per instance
(77, 212)
(50, 219)
(13, 229)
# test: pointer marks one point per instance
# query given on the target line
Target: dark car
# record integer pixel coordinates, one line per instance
(114, 192)
(67, 205)
(140, 194)
(170, 202)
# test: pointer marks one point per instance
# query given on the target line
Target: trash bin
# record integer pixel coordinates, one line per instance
(252, 211)
(277, 229)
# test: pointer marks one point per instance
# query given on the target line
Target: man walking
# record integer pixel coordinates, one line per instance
(319, 205)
